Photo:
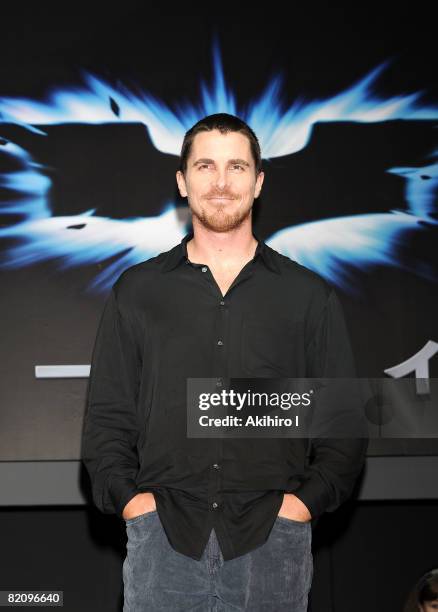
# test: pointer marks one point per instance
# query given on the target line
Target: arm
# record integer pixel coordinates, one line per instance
(111, 428)
(335, 463)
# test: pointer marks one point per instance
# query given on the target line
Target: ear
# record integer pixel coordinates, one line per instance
(258, 185)
(181, 184)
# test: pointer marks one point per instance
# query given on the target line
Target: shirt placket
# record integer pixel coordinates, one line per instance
(220, 365)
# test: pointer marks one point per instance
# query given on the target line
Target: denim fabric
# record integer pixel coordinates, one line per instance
(271, 578)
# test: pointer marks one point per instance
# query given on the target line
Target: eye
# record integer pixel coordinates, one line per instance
(238, 166)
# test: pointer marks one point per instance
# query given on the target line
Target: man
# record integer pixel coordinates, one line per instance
(214, 524)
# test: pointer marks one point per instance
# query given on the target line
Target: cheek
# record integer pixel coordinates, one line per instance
(204, 185)
(244, 189)
(198, 191)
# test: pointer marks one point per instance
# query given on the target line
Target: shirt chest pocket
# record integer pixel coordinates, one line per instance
(270, 348)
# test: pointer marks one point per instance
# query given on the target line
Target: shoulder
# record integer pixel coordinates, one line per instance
(138, 277)
(303, 280)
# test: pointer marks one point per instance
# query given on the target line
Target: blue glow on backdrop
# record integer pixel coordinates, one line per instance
(332, 247)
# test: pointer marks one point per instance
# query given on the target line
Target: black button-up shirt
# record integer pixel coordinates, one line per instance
(165, 321)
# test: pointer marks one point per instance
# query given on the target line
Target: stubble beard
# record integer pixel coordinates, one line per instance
(219, 220)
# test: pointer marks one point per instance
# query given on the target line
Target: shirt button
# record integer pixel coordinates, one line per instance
(219, 382)
(216, 466)
(220, 342)
(222, 303)
(214, 505)
(204, 268)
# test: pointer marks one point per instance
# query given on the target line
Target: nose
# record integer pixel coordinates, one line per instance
(221, 178)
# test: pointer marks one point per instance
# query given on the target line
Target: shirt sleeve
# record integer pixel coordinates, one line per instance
(334, 464)
(111, 429)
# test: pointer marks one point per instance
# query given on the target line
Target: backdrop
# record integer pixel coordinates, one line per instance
(94, 103)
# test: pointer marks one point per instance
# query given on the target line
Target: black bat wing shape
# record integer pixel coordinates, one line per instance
(113, 168)
(343, 170)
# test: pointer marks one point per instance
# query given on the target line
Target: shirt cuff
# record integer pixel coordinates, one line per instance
(121, 491)
(313, 493)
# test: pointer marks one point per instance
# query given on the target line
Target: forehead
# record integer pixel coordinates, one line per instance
(216, 145)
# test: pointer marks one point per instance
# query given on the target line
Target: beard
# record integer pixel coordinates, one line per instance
(218, 219)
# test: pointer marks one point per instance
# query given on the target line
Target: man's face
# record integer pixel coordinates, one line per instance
(220, 181)
(429, 606)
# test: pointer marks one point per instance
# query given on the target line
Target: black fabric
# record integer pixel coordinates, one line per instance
(161, 325)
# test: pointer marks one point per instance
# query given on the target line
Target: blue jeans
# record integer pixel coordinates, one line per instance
(273, 577)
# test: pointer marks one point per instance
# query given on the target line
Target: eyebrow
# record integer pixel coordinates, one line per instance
(205, 160)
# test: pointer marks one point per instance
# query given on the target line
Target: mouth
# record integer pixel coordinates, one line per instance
(219, 198)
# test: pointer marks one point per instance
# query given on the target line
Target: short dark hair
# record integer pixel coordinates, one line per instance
(425, 590)
(224, 123)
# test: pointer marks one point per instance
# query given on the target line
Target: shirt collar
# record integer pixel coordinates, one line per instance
(179, 254)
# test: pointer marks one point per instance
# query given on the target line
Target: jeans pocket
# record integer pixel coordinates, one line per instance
(291, 521)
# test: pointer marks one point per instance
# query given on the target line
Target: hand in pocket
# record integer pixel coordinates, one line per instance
(294, 509)
(139, 504)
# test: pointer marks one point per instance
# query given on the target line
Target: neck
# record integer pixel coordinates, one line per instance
(221, 249)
